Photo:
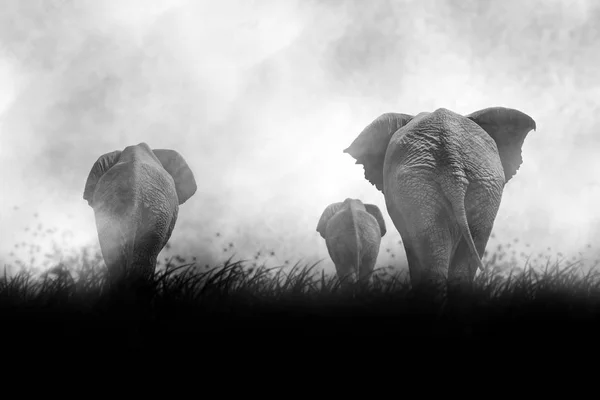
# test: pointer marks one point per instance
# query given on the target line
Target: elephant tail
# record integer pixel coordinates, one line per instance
(461, 218)
(455, 192)
(358, 260)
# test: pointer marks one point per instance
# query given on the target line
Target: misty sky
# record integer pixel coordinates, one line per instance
(261, 97)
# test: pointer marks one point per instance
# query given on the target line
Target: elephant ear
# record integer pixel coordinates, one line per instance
(175, 165)
(370, 145)
(329, 212)
(508, 128)
(376, 212)
(103, 164)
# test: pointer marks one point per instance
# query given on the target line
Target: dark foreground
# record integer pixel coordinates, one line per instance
(236, 309)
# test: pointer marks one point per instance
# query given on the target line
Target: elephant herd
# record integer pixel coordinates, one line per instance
(442, 175)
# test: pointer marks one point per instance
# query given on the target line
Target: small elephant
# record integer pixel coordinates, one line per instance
(442, 175)
(136, 194)
(352, 231)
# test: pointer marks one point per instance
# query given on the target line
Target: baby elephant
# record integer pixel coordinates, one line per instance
(352, 231)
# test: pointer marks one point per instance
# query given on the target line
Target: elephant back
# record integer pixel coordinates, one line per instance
(351, 224)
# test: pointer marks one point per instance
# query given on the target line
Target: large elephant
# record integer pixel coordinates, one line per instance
(135, 194)
(352, 232)
(442, 175)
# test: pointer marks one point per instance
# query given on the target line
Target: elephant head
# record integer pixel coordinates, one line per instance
(135, 194)
(352, 232)
(442, 175)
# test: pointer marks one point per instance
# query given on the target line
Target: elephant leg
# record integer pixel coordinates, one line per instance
(145, 256)
(136, 282)
(367, 262)
(434, 250)
(414, 268)
(115, 244)
(428, 237)
(463, 268)
(343, 252)
(481, 204)
(153, 232)
(346, 275)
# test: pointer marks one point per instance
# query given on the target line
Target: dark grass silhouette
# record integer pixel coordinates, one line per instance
(245, 302)
(234, 301)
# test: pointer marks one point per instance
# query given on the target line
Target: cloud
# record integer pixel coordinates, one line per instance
(261, 97)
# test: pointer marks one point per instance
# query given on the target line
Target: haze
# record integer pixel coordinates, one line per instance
(261, 97)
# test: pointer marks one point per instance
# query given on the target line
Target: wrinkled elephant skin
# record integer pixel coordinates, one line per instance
(352, 232)
(442, 175)
(135, 194)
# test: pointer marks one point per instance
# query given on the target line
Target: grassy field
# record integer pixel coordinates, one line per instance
(238, 302)
(272, 303)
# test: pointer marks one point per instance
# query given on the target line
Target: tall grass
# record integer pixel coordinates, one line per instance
(234, 301)
(236, 283)
(259, 296)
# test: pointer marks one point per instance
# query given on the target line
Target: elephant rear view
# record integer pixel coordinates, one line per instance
(135, 194)
(443, 175)
(352, 231)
